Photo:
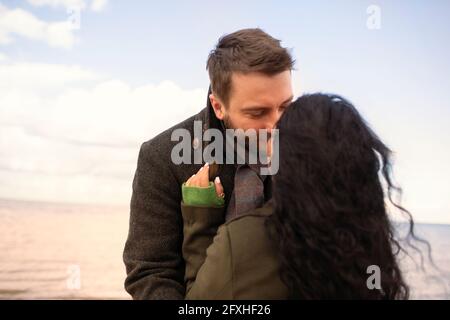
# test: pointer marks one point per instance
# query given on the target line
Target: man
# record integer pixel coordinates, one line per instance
(250, 76)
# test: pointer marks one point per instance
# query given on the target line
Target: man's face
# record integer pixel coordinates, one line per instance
(256, 101)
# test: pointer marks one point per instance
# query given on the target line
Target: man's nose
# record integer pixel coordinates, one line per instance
(273, 120)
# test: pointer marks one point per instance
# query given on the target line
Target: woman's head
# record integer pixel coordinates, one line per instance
(330, 217)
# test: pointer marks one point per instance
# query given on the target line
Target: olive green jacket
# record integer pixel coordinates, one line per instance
(232, 260)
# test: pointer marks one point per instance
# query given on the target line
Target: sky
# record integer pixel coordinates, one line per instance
(84, 82)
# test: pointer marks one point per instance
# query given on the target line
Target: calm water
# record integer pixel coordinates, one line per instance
(51, 251)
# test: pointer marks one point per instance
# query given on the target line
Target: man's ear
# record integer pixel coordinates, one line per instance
(218, 106)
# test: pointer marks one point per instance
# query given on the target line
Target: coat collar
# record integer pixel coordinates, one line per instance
(208, 117)
(210, 121)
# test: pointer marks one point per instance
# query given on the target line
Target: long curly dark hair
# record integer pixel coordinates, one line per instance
(330, 218)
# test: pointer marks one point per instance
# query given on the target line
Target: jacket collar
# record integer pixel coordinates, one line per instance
(208, 118)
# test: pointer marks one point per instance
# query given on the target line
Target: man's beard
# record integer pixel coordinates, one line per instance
(228, 124)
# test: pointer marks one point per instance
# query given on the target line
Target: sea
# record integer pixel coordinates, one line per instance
(72, 251)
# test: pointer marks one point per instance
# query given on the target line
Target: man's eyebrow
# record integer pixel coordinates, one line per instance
(256, 108)
(262, 108)
(288, 100)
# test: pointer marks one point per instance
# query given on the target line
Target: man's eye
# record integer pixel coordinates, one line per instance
(256, 114)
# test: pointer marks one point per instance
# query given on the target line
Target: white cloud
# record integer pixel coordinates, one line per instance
(3, 57)
(98, 5)
(23, 23)
(75, 135)
(59, 3)
(39, 77)
(95, 5)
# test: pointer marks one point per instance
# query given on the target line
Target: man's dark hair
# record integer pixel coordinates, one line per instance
(244, 51)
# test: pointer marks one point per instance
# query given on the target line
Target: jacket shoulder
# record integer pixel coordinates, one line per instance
(254, 260)
(251, 225)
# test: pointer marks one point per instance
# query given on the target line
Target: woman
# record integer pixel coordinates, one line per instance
(325, 225)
